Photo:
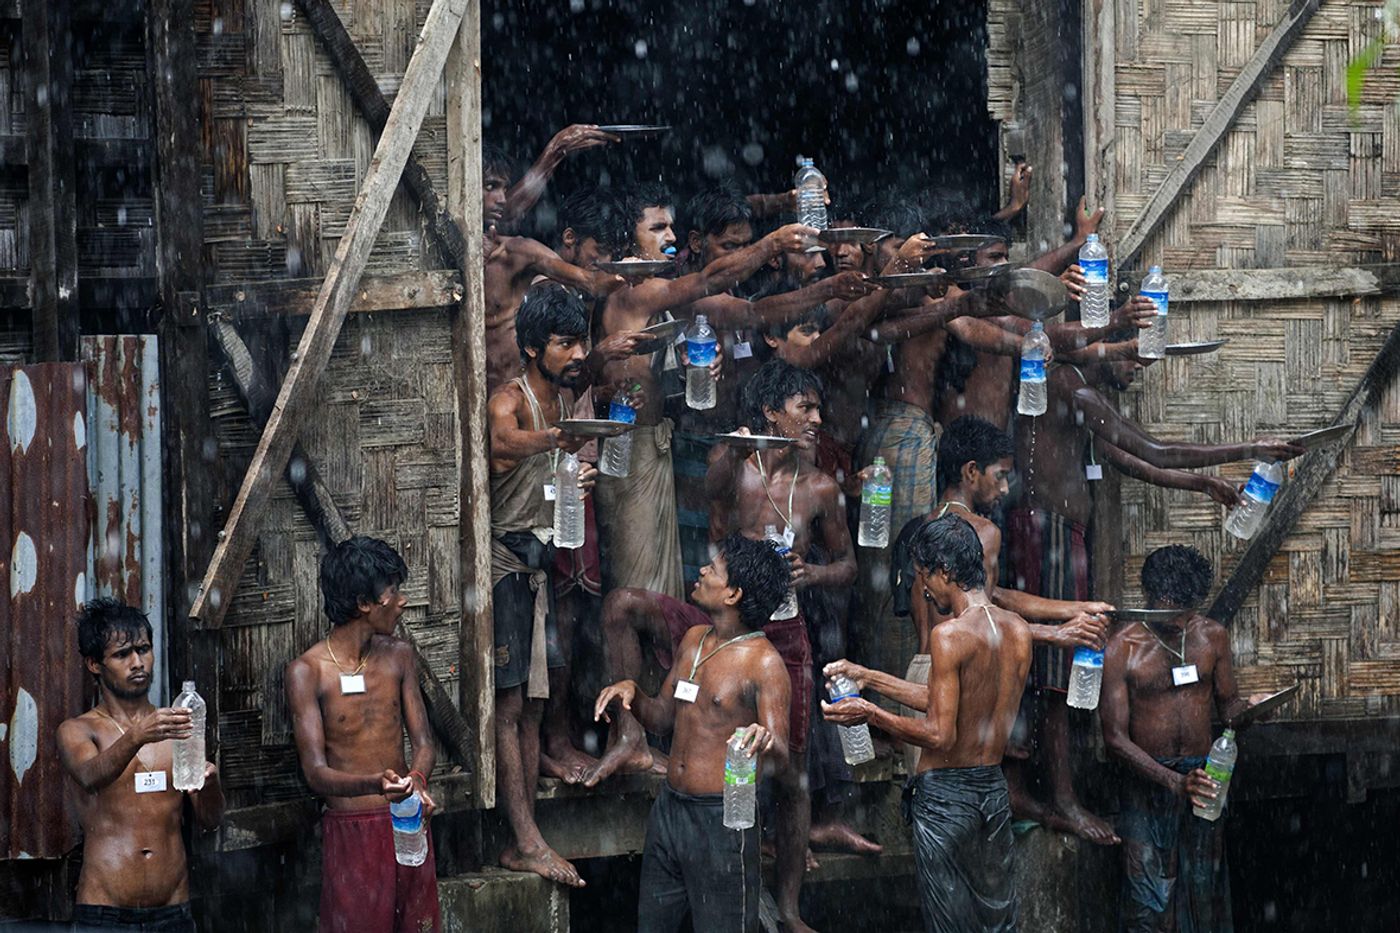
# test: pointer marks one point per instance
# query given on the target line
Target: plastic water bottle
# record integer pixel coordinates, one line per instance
(740, 791)
(187, 767)
(1244, 519)
(616, 458)
(811, 195)
(855, 740)
(568, 503)
(1219, 766)
(701, 345)
(1085, 679)
(788, 609)
(1153, 342)
(1093, 259)
(875, 504)
(410, 832)
(1034, 351)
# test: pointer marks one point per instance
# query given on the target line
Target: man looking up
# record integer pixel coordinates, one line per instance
(957, 801)
(526, 444)
(135, 872)
(726, 677)
(351, 696)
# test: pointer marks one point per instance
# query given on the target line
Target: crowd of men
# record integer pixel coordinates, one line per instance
(959, 634)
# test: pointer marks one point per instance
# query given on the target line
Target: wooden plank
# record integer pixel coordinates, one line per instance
(252, 301)
(296, 400)
(45, 38)
(1313, 471)
(1240, 92)
(1274, 284)
(1100, 103)
(478, 701)
(374, 107)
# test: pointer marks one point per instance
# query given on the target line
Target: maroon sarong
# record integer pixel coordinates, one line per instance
(363, 889)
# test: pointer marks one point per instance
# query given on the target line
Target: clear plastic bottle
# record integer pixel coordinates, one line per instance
(855, 740)
(187, 766)
(1220, 766)
(410, 830)
(876, 500)
(788, 608)
(811, 195)
(616, 456)
(1152, 343)
(740, 790)
(1093, 259)
(568, 503)
(1244, 519)
(701, 345)
(1085, 679)
(1035, 350)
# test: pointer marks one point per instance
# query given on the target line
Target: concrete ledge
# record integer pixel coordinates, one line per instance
(497, 901)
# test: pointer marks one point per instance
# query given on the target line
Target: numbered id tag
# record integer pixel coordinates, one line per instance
(789, 536)
(352, 683)
(1184, 675)
(687, 691)
(150, 782)
(743, 350)
(1093, 471)
(549, 492)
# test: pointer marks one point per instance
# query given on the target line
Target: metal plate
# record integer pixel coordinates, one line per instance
(979, 275)
(930, 277)
(960, 242)
(1322, 437)
(594, 427)
(635, 129)
(1267, 705)
(862, 235)
(1031, 293)
(1199, 346)
(754, 441)
(637, 268)
(1149, 615)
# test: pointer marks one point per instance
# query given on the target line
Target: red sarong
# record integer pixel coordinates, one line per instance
(363, 889)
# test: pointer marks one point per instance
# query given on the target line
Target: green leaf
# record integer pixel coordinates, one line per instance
(1356, 71)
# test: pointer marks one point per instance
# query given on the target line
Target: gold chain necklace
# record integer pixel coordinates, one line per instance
(139, 749)
(364, 659)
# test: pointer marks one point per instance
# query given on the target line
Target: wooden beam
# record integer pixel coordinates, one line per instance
(1099, 30)
(1240, 92)
(253, 301)
(297, 398)
(374, 107)
(1274, 284)
(469, 337)
(46, 40)
(1296, 494)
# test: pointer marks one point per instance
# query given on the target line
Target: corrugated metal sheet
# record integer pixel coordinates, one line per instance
(124, 460)
(43, 563)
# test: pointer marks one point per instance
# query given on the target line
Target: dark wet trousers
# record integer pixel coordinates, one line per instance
(693, 862)
(176, 918)
(961, 818)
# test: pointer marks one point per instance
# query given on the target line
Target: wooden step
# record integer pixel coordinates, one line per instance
(499, 901)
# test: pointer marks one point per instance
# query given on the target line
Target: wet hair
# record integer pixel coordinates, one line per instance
(548, 310)
(358, 570)
(596, 213)
(947, 211)
(104, 620)
(901, 216)
(771, 386)
(642, 196)
(496, 161)
(951, 545)
(711, 211)
(993, 226)
(778, 330)
(756, 568)
(970, 439)
(1177, 576)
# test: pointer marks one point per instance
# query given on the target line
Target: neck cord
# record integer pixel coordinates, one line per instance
(792, 490)
(698, 660)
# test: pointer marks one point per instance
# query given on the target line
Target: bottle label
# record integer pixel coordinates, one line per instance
(1159, 299)
(621, 411)
(1218, 772)
(1088, 657)
(1260, 488)
(1095, 271)
(736, 780)
(701, 353)
(1032, 370)
(876, 494)
(838, 697)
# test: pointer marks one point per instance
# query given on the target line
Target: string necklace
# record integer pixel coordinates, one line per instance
(697, 660)
(120, 728)
(1181, 655)
(792, 490)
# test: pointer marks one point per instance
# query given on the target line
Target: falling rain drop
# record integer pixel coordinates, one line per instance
(640, 48)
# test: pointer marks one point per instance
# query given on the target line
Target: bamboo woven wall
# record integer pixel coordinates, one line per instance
(1298, 181)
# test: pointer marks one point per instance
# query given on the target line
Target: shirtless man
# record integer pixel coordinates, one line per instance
(526, 442)
(351, 696)
(726, 678)
(1160, 682)
(1048, 550)
(119, 754)
(526, 193)
(957, 802)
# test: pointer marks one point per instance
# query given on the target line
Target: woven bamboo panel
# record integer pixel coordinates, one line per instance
(1300, 180)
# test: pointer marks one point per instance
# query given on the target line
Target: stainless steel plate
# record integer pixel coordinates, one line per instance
(862, 235)
(662, 333)
(959, 242)
(594, 427)
(1195, 347)
(1322, 437)
(635, 129)
(754, 441)
(1031, 293)
(638, 268)
(972, 276)
(930, 277)
(1149, 615)
(1267, 705)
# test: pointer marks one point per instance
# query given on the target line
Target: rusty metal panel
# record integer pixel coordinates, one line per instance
(44, 526)
(124, 468)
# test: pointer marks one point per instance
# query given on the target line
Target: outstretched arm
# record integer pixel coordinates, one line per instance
(526, 192)
(1059, 259)
(938, 730)
(1218, 489)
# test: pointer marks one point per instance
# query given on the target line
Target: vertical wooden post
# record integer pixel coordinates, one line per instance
(469, 337)
(46, 38)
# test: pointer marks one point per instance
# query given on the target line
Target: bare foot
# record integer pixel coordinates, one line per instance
(543, 861)
(627, 751)
(770, 850)
(792, 923)
(559, 759)
(842, 838)
(1075, 819)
